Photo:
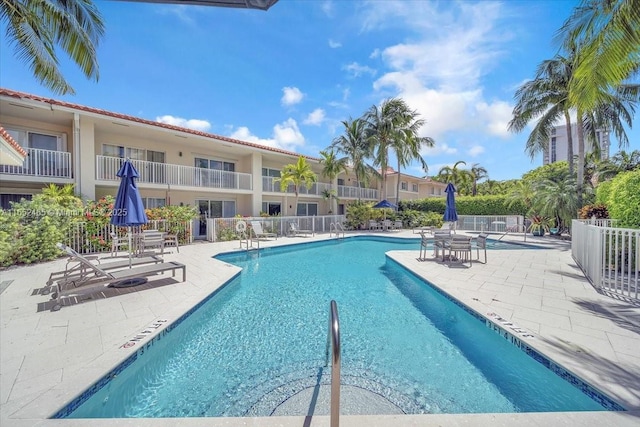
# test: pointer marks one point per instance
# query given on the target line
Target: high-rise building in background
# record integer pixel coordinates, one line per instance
(557, 148)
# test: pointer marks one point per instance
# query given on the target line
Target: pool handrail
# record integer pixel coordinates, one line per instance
(337, 227)
(333, 341)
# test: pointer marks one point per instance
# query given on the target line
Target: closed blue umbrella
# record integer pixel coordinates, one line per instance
(128, 210)
(384, 204)
(450, 214)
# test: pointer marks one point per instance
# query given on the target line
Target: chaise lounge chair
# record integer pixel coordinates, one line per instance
(256, 226)
(101, 278)
(295, 231)
(77, 272)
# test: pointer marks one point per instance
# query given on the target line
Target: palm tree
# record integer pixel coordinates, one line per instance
(383, 127)
(353, 144)
(332, 167)
(39, 28)
(546, 100)
(452, 174)
(408, 144)
(297, 174)
(477, 173)
(63, 196)
(620, 162)
(608, 36)
(557, 199)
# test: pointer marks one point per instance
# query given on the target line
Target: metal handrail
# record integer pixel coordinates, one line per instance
(333, 341)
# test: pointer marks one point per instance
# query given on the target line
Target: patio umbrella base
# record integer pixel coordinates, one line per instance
(134, 281)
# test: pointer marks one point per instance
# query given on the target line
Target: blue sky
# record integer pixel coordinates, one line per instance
(289, 76)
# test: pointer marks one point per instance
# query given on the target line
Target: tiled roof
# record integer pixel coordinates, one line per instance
(12, 142)
(22, 95)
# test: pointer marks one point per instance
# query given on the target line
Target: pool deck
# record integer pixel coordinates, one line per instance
(47, 358)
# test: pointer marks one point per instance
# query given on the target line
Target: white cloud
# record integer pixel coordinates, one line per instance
(316, 117)
(286, 136)
(496, 117)
(476, 150)
(327, 8)
(196, 124)
(375, 54)
(439, 72)
(438, 149)
(291, 96)
(334, 44)
(357, 70)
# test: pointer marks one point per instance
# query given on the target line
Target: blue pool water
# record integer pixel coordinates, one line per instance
(261, 339)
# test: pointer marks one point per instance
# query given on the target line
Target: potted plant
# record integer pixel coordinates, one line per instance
(539, 225)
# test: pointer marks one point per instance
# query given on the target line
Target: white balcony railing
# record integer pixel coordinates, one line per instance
(164, 173)
(271, 185)
(45, 163)
(350, 192)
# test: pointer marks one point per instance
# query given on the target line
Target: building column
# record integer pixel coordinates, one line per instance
(86, 153)
(256, 175)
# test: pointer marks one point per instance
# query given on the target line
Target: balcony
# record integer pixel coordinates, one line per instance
(350, 192)
(178, 175)
(42, 163)
(270, 185)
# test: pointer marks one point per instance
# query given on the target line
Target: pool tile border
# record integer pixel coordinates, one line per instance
(591, 391)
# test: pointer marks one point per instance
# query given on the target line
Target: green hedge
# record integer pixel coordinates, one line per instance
(468, 205)
(624, 199)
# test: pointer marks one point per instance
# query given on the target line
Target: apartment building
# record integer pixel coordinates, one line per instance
(411, 187)
(558, 144)
(68, 143)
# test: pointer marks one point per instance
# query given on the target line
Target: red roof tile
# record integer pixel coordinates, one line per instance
(12, 142)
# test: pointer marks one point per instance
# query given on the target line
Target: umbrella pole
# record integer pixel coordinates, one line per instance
(130, 247)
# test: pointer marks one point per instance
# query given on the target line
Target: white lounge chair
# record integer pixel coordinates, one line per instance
(102, 278)
(295, 231)
(256, 226)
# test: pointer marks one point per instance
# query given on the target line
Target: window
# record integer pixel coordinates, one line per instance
(151, 202)
(39, 140)
(340, 181)
(216, 179)
(404, 186)
(129, 152)
(6, 199)
(553, 149)
(273, 173)
(307, 209)
(272, 208)
(414, 187)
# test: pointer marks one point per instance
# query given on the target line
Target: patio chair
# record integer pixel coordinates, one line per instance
(481, 243)
(373, 225)
(151, 239)
(117, 243)
(460, 250)
(102, 278)
(441, 238)
(77, 272)
(397, 225)
(256, 226)
(295, 231)
(424, 244)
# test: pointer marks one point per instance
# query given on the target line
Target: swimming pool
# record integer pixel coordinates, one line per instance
(261, 339)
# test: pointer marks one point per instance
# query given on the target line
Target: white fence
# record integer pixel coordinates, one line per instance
(223, 229)
(495, 223)
(609, 256)
(90, 239)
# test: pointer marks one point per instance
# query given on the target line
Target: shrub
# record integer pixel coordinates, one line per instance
(624, 200)
(589, 211)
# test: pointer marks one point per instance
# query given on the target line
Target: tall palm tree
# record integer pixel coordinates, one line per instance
(608, 35)
(297, 174)
(332, 167)
(39, 28)
(383, 127)
(353, 144)
(408, 143)
(546, 100)
(477, 173)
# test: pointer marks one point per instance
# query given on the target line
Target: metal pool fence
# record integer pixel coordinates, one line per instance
(609, 256)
